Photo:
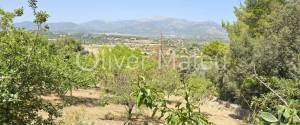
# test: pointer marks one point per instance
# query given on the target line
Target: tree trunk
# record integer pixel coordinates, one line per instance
(129, 115)
(71, 91)
(130, 108)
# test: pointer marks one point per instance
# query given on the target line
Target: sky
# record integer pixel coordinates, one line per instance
(79, 11)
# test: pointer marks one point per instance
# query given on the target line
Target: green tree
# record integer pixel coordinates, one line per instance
(119, 67)
(28, 71)
(74, 58)
(183, 113)
(215, 49)
(41, 17)
(166, 79)
(215, 54)
(259, 39)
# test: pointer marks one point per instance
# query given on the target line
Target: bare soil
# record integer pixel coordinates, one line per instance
(84, 107)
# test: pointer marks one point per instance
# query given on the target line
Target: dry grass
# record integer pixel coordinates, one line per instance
(84, 109)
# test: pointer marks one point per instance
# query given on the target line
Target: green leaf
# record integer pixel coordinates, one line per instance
(296, 119)
(268, 117)
(287, 114)
(138, 99)
(280, 110)
(148, 92)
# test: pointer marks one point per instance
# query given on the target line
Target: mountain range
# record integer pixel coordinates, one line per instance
(152, 27)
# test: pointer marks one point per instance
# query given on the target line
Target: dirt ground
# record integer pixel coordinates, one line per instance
(85, 109)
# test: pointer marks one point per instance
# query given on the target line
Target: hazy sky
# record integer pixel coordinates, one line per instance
(85, 10)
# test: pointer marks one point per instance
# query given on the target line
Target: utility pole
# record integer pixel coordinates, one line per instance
(161, 49)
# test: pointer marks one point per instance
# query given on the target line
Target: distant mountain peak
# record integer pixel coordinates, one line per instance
(149, 27)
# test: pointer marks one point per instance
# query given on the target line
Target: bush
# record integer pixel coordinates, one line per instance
(109, 116)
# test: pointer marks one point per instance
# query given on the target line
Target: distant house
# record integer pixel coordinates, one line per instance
(52, 40)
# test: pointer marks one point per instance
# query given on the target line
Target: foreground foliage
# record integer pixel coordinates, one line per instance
(264, 47)
(29, 70)
(263, 67)
(183, 113)
(284, 116)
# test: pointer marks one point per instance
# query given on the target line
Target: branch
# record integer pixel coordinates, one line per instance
(272, 90)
